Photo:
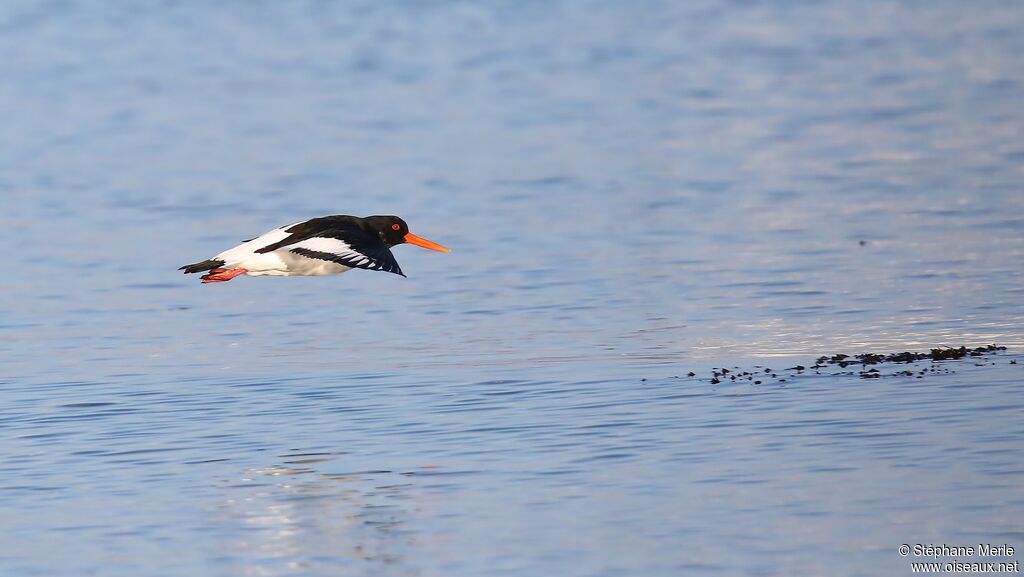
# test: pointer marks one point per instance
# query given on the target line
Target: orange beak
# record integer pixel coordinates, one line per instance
(420, 241)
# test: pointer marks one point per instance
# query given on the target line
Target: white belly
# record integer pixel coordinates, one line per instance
(283, 263)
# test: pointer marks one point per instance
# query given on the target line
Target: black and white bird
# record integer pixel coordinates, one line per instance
(319, 246)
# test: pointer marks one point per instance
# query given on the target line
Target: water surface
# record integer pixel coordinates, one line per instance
(632, 192)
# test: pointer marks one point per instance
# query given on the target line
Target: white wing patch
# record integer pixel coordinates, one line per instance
(337, 248)
(323, 244)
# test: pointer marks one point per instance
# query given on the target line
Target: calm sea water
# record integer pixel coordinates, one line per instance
(632, 191)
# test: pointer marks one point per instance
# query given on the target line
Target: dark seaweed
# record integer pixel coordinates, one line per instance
(864, 360)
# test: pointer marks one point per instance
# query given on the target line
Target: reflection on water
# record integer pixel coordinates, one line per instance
(294, 517)
(631, 190)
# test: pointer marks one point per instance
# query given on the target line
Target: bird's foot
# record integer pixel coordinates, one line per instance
(222, 274)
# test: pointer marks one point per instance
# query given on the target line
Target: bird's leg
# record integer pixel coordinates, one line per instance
(222, 274)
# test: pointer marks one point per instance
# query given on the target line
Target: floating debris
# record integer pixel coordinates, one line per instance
(864, 360)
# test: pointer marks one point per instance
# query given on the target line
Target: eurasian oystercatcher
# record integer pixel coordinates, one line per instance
(319, 246)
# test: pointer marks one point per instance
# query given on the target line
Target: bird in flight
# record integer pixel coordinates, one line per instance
(315, 247)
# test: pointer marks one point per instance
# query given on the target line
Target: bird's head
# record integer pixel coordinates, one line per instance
(393, 230)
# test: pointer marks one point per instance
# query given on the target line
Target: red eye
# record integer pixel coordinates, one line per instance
(395, 227)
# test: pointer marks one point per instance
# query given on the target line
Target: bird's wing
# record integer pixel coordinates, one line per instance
(343, 243)
(252, 246)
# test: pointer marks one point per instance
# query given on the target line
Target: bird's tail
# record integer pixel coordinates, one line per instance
(202, 266)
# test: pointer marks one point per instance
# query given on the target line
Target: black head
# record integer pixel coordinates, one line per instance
(393, 230)
(390, 229)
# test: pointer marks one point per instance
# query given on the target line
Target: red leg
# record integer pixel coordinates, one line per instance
(222, 274)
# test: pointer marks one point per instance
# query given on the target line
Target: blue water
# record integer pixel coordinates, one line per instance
(632, 191)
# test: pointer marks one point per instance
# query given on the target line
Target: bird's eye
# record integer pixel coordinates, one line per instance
(395, 226)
